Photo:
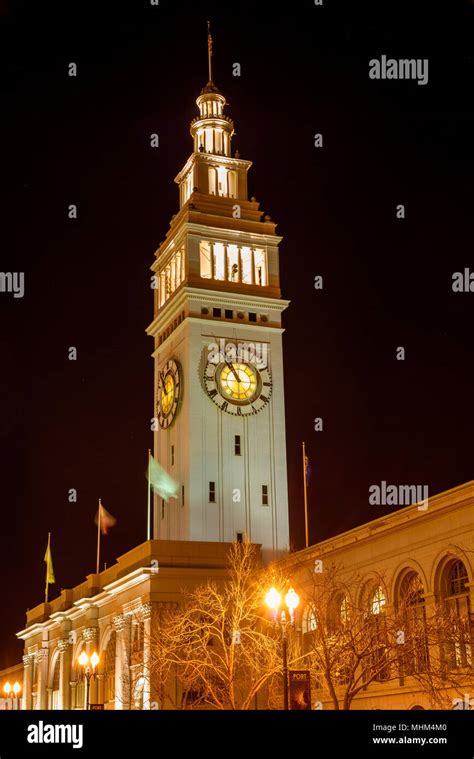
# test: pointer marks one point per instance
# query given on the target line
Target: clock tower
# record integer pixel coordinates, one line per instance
(219, 403)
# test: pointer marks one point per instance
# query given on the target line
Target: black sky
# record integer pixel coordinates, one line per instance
(387, 282)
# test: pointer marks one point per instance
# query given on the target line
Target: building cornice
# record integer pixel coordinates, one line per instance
(449, 499)
(217, 297)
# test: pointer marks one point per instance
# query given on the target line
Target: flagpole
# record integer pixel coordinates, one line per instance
(98, 537)
(47, 570)
(209, 49)
(148, 518)
(305, 499)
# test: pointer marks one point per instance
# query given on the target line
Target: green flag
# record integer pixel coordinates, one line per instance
(160, 480)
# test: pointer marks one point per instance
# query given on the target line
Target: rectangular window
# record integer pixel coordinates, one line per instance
(162, 508)
(172, 455)
(182, 495)
(246, 256)
(240, 537)
(216, 311)
(232, 263)
(264, 495)
(252, 317)
(205, 259)
(219, 268)
(229, 314)
(212, 492)
(260, 267)
(237, 445)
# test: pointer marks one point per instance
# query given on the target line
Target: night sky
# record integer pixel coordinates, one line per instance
(387, 282)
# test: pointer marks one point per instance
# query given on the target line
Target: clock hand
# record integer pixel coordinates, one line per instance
(231, 367)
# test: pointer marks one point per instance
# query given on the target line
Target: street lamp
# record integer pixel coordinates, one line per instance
(88, 664)
(280, 619)
(11, 691)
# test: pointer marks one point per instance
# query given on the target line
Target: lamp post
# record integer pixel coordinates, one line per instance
(88, 664)
(280, 619)
(11, 691)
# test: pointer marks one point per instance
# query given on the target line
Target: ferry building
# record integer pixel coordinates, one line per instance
(220, 434)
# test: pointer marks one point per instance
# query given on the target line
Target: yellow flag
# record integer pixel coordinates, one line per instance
(49, 563)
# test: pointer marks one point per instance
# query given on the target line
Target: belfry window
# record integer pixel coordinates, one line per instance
(260, 268)
(212, 492)
(222, 180)
(246, 255)
(171, 276)
(206, 263)
(233, 263)
(219, 261)
(232, 184)
(212, 180)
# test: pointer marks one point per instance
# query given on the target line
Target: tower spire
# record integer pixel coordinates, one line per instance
(209, 50)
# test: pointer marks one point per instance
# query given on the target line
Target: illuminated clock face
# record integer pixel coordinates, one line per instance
(169, 393)
(238, 387)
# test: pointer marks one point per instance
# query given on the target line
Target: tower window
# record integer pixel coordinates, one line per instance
(162, 508)
(240, 537)
(182, 495)
(212, 492)
(219, 267)
(246, 256)
(237, 445)
(264, 495)
(205, 260)
(212, 180)
(172, 455)
(252, 317)
(233, 263)
(260, 267)
(216, 312)
(229, 314)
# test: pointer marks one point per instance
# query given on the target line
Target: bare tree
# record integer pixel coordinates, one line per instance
(219, 643)
(353, 640)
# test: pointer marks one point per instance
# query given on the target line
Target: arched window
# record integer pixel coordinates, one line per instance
(458, 646)
(310, 622)
(109, 670)
(414, 650)
(378, 661)
(232, 180)
(54, 702)
(344, 610)
(212, 180)
(377, 600)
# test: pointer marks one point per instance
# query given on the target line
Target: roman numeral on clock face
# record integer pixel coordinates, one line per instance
(212, 393)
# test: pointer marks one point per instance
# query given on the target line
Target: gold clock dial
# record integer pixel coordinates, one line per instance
(238, 382)
(237, 387)
(169, 392)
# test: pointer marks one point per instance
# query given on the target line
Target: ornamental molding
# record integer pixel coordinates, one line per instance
(145, 611)
(89, 634)
(41, 655)
(118, 622)
(28, 660)
(63, 644)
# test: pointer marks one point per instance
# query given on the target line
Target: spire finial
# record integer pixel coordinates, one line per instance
(209, 49)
